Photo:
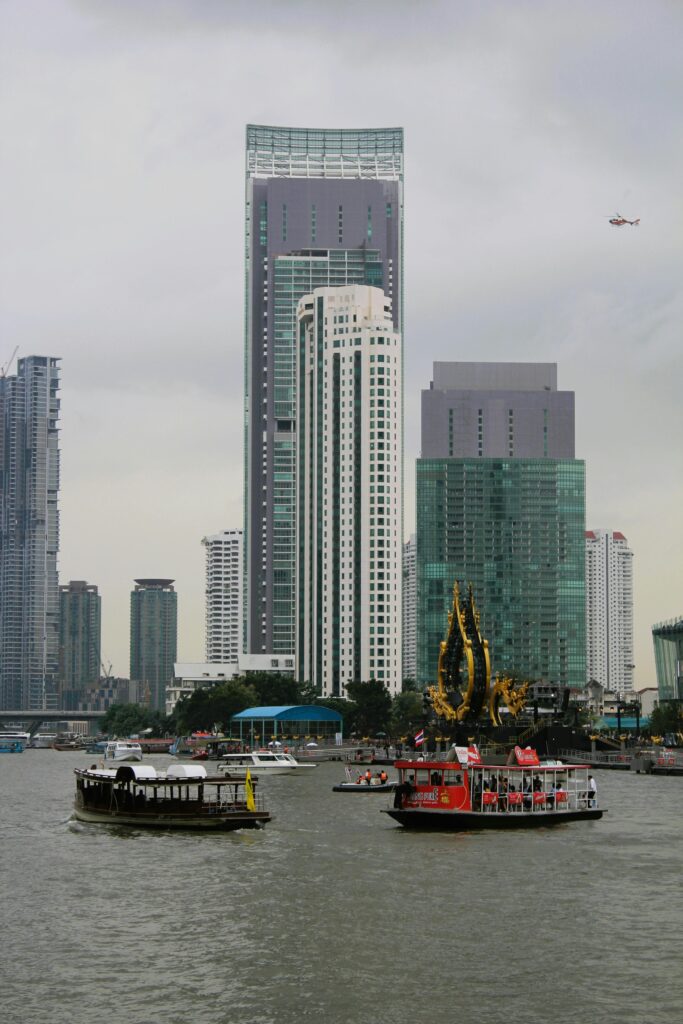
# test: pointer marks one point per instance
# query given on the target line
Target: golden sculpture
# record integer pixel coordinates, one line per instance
(464, 696)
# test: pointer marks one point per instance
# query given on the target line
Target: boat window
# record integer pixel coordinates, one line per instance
(451, 778)
(422, 777)
(435, 778)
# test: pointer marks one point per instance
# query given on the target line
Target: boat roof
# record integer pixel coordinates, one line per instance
(186, 771)
(456, 766)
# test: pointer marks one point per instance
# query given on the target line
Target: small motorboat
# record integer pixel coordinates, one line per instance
(364, 784)
(122, 750)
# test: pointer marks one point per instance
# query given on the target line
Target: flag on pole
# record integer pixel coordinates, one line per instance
(419, 738)
(249, 792)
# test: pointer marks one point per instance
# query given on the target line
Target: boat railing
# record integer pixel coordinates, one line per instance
(607, 758)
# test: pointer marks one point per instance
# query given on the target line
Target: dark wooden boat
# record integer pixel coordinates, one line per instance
(182, 797)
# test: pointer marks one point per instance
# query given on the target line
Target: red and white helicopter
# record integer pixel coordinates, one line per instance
(619, 221)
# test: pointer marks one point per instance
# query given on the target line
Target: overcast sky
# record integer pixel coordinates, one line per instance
(527, 124)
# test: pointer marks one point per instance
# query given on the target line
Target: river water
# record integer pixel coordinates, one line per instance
(334, 913)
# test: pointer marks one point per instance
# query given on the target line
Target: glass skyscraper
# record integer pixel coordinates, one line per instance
(153, 640)
(80, 624)
(29, 534)
(323, 208)
(501, 505)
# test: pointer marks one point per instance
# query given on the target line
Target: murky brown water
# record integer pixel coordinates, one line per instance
(333, 913)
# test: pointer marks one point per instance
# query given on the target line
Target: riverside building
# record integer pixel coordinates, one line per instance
(349, 541)
(224, 611)
(80, 618)
(324, 208)
(29, 535)
(409, 608)
(153, 640)
(609, 611)
(501, 505)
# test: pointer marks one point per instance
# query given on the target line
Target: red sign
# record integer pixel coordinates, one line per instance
(527, 756)
(473, 756)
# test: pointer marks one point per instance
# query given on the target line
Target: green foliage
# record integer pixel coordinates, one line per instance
(407, 713)
(667, 717)
(130, 719)
(274, 688)
(372, 713)
(212, 706)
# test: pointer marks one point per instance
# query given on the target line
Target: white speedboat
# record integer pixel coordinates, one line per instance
(122, 750)
(13, 742)
(43, 740)
(262, 762)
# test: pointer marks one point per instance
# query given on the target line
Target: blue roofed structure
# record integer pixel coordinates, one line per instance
(288, 721)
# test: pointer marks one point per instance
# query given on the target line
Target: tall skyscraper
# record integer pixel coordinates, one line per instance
(224, 609)
(409, 608)
(609, 610)
(350, 455)
(80, 618)
(501, 505)
(153, 639)
(667, 638)
(29, 534)
(323, 208)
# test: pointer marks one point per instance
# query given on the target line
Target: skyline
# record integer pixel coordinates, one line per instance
(122, 214)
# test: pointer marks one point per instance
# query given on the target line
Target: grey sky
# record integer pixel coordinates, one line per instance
(121, 212)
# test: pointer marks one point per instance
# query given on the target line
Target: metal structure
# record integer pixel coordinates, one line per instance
(464, 691)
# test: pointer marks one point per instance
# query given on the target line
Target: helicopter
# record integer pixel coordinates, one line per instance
(619, 221)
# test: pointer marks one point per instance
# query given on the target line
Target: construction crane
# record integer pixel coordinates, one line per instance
(5, 368)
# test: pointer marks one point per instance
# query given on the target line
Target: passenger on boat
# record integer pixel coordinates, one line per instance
(383, 777)
(368, 776)
(592, 792)
(403, 790)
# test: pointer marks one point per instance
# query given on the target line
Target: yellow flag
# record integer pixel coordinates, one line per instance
(249, 792)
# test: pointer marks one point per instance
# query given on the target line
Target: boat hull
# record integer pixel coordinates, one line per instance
(192, 822)
(363, 787)
(468, 821)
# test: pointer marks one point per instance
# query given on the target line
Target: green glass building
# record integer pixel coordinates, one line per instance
(153, 639)
(501, 505)
(667, 638)
(514, 529)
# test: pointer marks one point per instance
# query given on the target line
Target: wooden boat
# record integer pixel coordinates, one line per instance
(461, 793)
(182, 797)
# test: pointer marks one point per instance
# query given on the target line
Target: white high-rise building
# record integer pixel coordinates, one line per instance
(409, 609)
(350, 483)
(29, 534)
(609, 610)
(224, 573)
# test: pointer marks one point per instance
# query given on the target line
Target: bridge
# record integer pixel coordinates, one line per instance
(34, 719)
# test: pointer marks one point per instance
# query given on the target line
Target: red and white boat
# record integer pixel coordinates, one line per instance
(462, 793)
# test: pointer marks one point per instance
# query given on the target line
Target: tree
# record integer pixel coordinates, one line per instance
(273, 688)
(667, 717)
(373, 707)
(211, 706)
(127, 719)
(407, 713)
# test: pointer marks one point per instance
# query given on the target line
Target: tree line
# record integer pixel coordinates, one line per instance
(370, 709)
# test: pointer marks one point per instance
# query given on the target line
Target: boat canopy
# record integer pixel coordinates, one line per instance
(186, 771)
(135, 771)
